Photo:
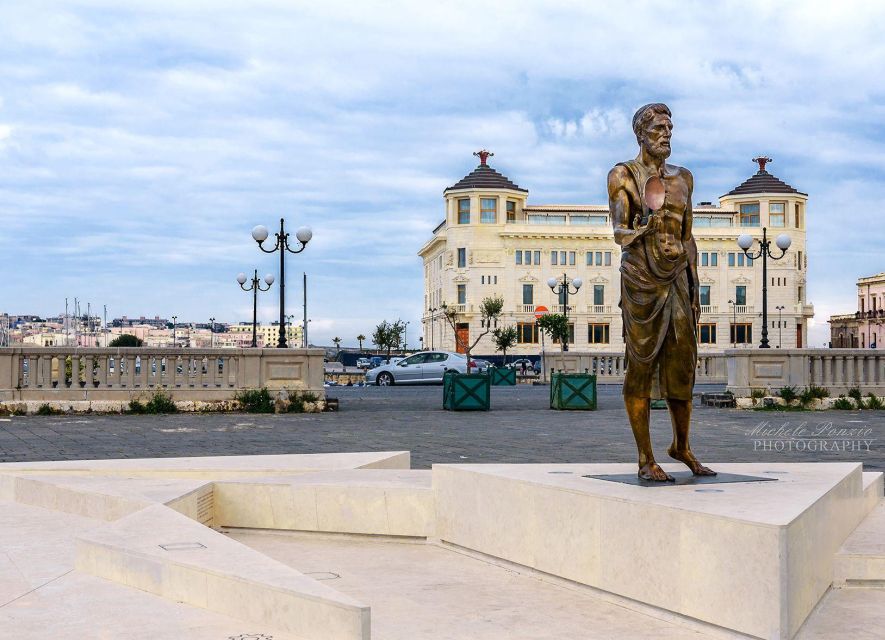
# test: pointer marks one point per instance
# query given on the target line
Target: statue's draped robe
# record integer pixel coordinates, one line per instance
(659, 324)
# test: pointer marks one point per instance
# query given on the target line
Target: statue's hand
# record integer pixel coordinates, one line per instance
(654, 222)
(696, 308)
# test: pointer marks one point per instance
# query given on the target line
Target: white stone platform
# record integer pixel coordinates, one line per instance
(753, 557)
(174, 547)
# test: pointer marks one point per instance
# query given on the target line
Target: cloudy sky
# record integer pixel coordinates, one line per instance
(140, 145)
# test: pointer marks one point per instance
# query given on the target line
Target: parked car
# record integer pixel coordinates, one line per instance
(479, 366)
(364, 363)
(423, 367)
(530, 365)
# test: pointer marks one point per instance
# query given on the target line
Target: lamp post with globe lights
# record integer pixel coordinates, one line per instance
(255, 287)
(281, 244)
(562, 288)
(783, 241)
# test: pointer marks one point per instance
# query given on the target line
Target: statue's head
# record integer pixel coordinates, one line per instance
(653, 128)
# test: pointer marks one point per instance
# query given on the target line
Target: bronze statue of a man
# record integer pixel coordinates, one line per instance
(650, 203)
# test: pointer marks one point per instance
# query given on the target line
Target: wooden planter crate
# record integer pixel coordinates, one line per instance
(574, 391)
(467, 392)
(502, 376)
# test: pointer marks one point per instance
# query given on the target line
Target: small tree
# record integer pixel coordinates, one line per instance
(337, 342)
(556, 326)
(126, 340)
(505, 338)
(489, 310)
(388, 335)
(361, 338)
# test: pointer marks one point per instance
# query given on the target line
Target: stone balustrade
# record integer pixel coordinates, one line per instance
(837, 370)
(610, 367)
(119, 374)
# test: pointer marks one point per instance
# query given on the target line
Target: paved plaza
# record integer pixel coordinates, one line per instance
(519, 429)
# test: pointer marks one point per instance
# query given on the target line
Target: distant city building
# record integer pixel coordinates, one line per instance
(493, 242)
(267, 334)
(863, 328)
(126, 321)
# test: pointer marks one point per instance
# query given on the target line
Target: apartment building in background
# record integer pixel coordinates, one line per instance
(494, 242)
(863, 328)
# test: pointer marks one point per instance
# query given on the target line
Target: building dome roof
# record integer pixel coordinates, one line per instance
(763, 182)
(484, 177)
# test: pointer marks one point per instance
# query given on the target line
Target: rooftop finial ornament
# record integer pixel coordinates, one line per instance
(483, 155)
(762, 161)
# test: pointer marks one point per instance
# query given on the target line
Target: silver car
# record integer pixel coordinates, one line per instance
(427, 366)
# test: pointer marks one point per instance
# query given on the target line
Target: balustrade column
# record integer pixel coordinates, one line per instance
(75, 371)
(212, 370)
(817, 372)
(147, 369)
(44, 371)
(130, 371)
(102, 371)
(87, 370)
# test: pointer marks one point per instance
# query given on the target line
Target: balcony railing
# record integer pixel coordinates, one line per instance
(525, 308)
(709, 308)
(598, 309)
(743, 309)
(457, 308)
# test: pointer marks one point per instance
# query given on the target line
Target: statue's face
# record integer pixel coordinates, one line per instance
(657, 134)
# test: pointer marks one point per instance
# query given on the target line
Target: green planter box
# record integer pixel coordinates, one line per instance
(575, 391)
(502, 376)
(466, 392)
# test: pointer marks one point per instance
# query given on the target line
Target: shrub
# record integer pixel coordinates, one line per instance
(788, 394)
(874, 402)
(818, 392)
(843, 403)
(298, 400)
(757, 393)
(855, 394)
(158, 403)
(45, 410)
(136, 406)
(255, 401)
(813, 393)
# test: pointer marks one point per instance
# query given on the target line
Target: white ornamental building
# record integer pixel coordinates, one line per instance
(493, 242)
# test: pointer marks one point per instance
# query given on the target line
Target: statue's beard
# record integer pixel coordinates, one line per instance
(657, 150)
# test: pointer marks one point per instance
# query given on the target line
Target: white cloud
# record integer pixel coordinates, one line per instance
(143, 142)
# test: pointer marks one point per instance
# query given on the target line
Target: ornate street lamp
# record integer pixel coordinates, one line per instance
(563, 290)
(174, 340)
(212, 333)
(255, 287)
(783, 241)
(281, 244)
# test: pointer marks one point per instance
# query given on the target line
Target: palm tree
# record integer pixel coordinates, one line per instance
(361, 337)
(337, 342)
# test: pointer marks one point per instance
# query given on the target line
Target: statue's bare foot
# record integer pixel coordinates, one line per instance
(652, 471)
(688, 459)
